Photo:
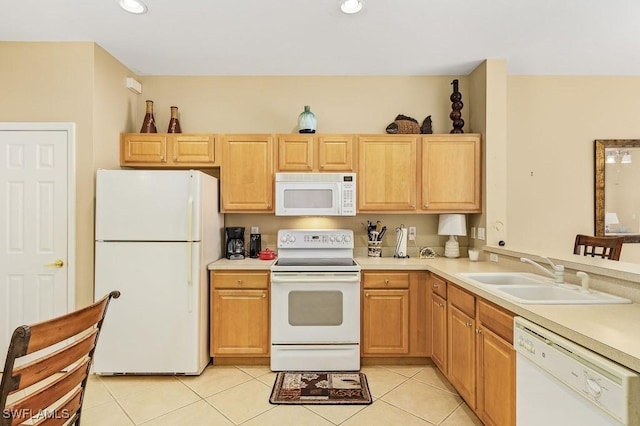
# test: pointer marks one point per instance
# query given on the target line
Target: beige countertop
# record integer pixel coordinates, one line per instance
(610, 330)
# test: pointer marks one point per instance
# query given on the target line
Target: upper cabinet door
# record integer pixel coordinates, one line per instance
(295, 153)
(143, 148)
(193, 149)
(387, 173)
(451, 173)
(336, 153)
(246, 173)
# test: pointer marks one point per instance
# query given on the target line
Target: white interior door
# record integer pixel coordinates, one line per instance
(34, 225)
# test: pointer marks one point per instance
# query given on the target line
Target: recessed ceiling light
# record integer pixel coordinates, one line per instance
(351, 6)
(133, 6)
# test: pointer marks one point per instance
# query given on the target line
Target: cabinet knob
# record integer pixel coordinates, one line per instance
(386, 282)
(175, 158)
(441, 305)
(478, 331)
(366, 295)
(162, 158)
(239, 281)
(322, 166)
(435, 285)
(426, 205)
(467, 324)
(264, 295)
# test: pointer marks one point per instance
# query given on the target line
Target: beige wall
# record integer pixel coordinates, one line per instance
(552, 124)
(359, 104)
(78, 83)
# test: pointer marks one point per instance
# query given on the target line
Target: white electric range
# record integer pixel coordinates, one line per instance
(315, 302)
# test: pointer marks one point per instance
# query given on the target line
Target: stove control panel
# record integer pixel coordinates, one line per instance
(315, 238)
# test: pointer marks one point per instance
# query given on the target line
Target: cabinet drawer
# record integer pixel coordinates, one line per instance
(438, 286)
(386, 280)
(462, 300)
(235, 280)
(496, 319)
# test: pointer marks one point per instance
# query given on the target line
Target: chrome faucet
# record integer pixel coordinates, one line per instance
(558, 270)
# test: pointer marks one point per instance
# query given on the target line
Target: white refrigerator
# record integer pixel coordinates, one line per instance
(155, 233)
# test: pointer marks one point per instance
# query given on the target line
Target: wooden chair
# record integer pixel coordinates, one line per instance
(47, 387)
(604, 247)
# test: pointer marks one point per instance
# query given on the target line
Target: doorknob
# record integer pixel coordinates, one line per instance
(57, 264)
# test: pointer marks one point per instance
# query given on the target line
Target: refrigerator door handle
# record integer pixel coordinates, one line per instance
(190, 277)
(190, 248)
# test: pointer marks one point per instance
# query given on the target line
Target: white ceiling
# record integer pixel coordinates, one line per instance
(311, 37)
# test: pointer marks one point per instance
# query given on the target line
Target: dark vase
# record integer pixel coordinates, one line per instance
(149, 123)
(174, 122)
(456, 107)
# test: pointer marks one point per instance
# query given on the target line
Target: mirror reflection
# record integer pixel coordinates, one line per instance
(617, 201)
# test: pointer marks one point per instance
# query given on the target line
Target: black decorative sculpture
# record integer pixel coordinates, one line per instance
(456, 106)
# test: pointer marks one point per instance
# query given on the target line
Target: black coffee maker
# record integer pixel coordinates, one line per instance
(235, 242)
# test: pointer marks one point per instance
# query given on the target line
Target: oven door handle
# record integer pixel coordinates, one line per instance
(325, 279)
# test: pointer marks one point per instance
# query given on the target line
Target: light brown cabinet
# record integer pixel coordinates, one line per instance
(495, 365)
(394, 314)
(387, 170)
(479, 359)
(239, 313)
(448, 169)
(319, 153)
(168, 150)
(438, 327)
(451, 173)
(461, 356)
(246, 173)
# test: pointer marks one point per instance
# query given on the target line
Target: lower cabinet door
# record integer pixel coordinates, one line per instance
(240, 322)
(439, 332)
(461, 354)
(495, 379)
(385, 327)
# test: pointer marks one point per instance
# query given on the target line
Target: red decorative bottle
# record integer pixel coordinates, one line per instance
(149, 123)
(174, 123)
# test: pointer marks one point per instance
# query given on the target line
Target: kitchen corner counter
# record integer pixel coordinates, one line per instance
(605, 329)
(244, 264)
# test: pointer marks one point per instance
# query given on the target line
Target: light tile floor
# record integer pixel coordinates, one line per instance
(239, 395)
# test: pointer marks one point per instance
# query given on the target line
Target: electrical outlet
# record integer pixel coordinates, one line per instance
(481, 233)
(473, 232)
(412, 233)
(493, 257)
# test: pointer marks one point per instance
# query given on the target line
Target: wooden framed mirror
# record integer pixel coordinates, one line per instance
(617, 201)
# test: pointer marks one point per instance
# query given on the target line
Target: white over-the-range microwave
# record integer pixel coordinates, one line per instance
(315, 194)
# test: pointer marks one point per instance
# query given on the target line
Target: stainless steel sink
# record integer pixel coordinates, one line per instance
(505, 278)
(527, 288)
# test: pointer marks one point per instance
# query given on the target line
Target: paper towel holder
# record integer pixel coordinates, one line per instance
(401, 243)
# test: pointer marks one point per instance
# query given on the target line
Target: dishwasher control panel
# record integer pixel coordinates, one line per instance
(598, 379)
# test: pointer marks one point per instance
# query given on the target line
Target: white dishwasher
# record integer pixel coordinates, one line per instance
(559, 382)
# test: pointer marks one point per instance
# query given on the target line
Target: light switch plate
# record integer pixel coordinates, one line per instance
(412, 233)
(481, 233)
(493, 257)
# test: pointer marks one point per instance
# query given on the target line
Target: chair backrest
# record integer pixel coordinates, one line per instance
(49, 384)
(604, 247)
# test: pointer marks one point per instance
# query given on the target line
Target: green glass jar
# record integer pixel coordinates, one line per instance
(307, 121)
